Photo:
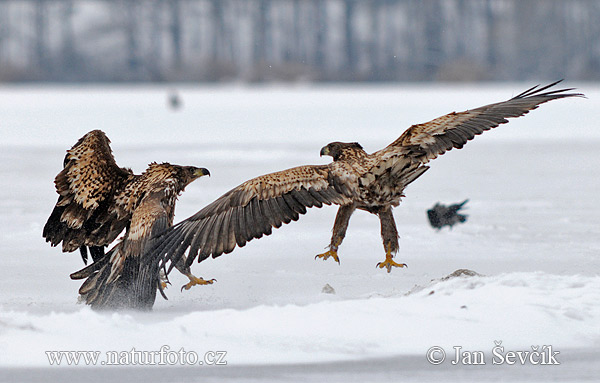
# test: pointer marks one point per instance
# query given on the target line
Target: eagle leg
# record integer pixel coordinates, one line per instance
(389, 233)
(339, 232)
(194, 280)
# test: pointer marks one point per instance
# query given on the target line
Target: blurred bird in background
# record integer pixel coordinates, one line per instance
(440, 215)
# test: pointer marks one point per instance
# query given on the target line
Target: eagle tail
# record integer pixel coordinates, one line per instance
(134, 288)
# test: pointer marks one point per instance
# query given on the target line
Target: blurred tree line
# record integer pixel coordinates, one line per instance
(291, 40)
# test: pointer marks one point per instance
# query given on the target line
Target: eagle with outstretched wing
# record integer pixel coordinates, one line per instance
(97, 201)
(354, 180)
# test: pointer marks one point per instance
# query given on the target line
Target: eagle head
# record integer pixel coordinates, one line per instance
(342, 150)
(191, 173)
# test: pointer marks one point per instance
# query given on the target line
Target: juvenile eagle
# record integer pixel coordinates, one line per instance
(98, 200)
(354, 180)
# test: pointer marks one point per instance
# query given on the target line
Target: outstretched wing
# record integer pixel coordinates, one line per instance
(121, 279)
(251, 210)
(425, 142)
(87, 213)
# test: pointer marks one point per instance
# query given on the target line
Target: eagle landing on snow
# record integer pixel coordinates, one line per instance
(97, 201)
(354, 180)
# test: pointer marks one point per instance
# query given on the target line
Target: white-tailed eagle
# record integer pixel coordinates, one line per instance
(354, 180)
(97, 201)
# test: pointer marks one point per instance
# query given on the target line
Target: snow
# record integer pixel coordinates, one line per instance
(532, 235)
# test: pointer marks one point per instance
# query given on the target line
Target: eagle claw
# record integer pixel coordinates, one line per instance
(329, 253)
(197, 281)
(389, 263)
(163, 280)
(164, 284)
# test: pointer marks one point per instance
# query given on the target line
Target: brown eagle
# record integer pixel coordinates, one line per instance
(97, 201)
(354, 180)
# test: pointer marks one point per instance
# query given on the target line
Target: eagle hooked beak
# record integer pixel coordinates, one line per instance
(325, 151)
(201, 172)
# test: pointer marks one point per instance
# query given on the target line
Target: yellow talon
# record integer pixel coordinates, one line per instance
(163, 280)
(389, 263)
(197, 281)
(329, 253)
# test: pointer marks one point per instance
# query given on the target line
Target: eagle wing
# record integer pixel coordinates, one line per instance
(87, 212)
(424, 142)
(252, 209)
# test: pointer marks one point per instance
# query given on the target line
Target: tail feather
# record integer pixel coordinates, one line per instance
(134, 288)
(91, 269)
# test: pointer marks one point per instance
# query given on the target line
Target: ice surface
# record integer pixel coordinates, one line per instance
(532, 233)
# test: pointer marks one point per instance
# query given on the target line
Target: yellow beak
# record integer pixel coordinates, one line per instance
(201, 172)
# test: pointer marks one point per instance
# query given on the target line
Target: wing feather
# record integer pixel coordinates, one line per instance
(252, 210)
(303, 197)
(425, 142)
(225, 234)
(204, 238)
(194, 238)
(250, 222)
(231, 241)
(294, 205)
(214, 239)
(260, 218)
(287, 214)
(86, 213)
(319, 197)
(273, 211)
(241, 234)
(182, 242)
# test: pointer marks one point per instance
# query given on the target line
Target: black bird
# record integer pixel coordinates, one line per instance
(174, 100)
(441, 215)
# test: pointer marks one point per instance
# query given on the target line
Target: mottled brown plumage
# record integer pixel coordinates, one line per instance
(92, 207)
(355, 180)
(97, 201)
(122, 279)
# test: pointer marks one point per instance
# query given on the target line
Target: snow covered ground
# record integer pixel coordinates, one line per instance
(532, 234)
